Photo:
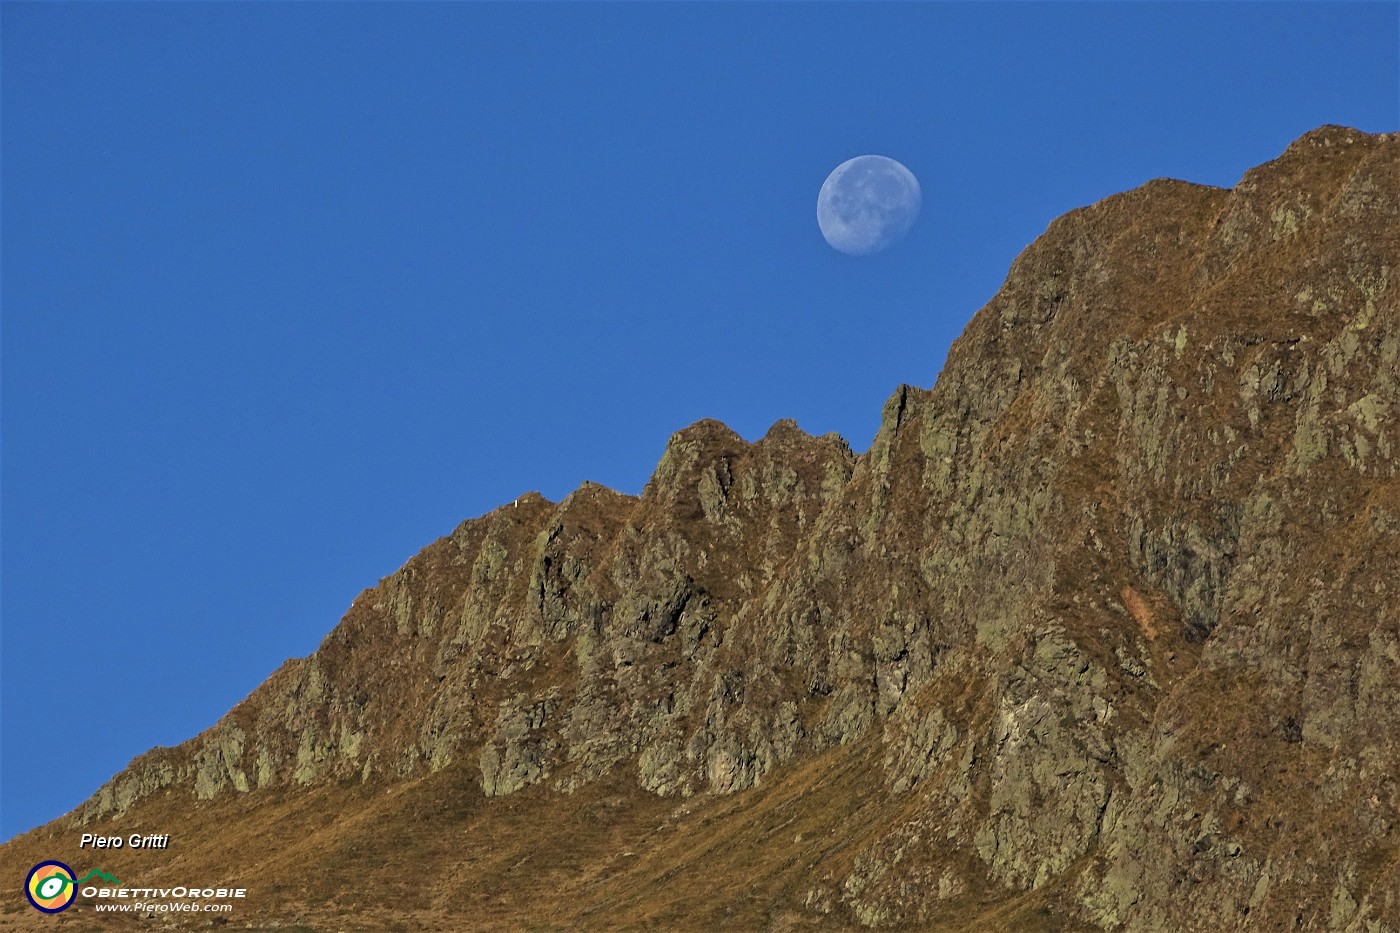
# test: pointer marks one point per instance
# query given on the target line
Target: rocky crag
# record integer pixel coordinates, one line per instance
(1101, 633)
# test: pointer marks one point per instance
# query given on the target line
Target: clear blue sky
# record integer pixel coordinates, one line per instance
(291, 290)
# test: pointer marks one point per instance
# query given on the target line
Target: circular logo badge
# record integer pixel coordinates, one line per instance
(50, 887)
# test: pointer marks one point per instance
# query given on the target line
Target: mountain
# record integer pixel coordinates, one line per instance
(1101, 633)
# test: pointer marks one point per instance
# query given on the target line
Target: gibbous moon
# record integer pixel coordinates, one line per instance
(868, 203)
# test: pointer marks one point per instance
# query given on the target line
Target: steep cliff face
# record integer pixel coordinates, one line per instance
(1102, 629)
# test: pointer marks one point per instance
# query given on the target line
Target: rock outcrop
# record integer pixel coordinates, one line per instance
(1109, 614)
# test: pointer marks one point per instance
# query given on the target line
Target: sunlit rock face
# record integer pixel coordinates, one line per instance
(1102, 631)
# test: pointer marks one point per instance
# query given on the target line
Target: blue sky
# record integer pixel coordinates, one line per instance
(291, 290)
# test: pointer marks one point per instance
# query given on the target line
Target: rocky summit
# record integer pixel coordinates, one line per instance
(1102, 633)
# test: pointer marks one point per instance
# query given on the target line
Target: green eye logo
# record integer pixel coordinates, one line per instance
(53, 886)
(50, 887)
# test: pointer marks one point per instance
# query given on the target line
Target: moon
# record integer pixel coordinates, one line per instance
(867, 204)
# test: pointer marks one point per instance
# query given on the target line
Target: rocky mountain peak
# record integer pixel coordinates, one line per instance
(1100, 633)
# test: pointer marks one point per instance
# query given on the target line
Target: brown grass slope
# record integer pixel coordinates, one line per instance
(1100, 634)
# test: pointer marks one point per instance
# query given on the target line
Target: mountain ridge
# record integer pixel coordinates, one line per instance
(1087, 621)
